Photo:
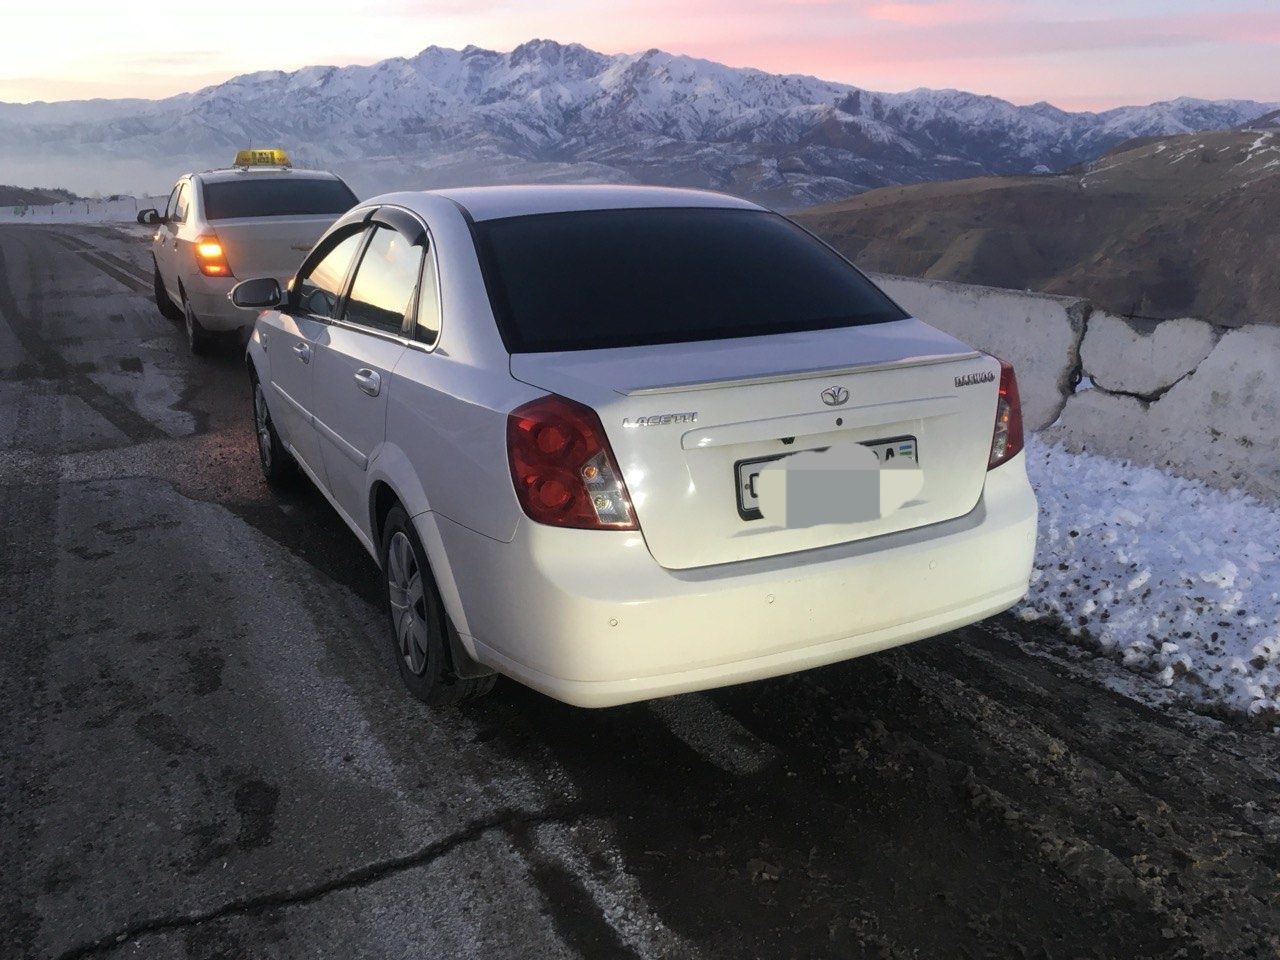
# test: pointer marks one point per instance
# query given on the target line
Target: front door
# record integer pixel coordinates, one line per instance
(162, 244)
(296, 336)
(353, 369)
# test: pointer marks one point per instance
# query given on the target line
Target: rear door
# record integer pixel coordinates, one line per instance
(296, 335)
(354, 366)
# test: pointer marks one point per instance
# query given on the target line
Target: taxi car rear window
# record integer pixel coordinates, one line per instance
(623, 278)
(277, 197)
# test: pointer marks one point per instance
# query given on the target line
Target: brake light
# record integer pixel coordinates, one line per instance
(1006, 440)
(211, 258)
(564, 472)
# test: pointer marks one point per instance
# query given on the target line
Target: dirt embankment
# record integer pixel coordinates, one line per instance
(1161, 228)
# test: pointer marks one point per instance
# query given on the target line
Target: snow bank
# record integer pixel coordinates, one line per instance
(120, 210)
(1176, 579)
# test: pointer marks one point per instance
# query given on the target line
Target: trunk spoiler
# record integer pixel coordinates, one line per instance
(809, 374)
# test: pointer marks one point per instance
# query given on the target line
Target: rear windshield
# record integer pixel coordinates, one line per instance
(621, 278)
(277, 197)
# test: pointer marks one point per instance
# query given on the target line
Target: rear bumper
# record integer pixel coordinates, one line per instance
(590, 618)
(208, 296)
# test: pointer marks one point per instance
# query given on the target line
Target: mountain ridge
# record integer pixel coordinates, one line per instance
(551, 111)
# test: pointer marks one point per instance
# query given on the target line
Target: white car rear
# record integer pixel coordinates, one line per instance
(247, 221)
(635, 441)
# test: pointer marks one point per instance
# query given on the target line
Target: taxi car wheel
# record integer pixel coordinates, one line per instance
(200, 340)
(168, 309)
(277, 463)
(418, 620)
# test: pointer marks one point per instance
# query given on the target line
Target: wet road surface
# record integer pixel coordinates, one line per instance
(206, 751)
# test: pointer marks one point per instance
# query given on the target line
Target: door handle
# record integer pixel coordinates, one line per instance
(368, 381)
(303, 350)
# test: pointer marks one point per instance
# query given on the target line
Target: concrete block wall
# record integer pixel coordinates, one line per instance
(1200, 400)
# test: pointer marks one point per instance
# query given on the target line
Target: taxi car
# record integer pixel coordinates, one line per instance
(257, 218)
(553, 416)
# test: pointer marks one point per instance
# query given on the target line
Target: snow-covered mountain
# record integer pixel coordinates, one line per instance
(547, 111)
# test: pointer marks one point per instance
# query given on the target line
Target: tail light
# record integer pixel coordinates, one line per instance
(211, 258)
(1006, 440)
(564, 472)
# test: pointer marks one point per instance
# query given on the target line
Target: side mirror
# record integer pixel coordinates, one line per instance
(149, 215)
(262, 293)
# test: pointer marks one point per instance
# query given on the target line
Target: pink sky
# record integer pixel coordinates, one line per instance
(1083, 54)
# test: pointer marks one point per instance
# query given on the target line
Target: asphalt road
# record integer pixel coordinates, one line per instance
(206, 752)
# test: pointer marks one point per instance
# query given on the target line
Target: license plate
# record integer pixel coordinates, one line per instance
(748, 471)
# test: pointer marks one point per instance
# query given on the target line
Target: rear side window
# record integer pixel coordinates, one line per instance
(275, 197)
(621, 278)
(320, 288)
(428, 317)
(385, 281)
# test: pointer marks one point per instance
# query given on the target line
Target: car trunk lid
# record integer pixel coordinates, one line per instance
(680, 417)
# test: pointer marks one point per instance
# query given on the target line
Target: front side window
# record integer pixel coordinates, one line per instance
(173, 202)
(385, 281)
(182, 203)
(320, 288)
(624, 278)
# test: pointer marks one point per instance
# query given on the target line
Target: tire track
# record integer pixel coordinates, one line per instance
(26, 326)
(117, 268)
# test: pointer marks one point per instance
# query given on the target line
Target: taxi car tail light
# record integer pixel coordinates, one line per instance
(211, 258)
(564, 471)
(1006, 440)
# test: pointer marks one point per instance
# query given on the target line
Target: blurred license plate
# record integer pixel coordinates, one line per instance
(749, 470)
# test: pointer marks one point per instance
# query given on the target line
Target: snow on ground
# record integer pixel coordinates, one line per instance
(1175, 579)
(124, 210)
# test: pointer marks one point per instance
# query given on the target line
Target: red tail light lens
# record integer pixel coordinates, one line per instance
(211, 258)
(564, 472)
(1006, 440)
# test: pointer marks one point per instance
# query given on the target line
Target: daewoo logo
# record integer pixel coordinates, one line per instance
(969, 379)
(834, 396)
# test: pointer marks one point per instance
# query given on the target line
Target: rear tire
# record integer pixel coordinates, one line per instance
(168, 309)
(278, 466)
(418, 623)
(200, 340)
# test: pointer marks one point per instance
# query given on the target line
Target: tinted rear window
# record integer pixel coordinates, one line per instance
(616, 278)
(277, 197)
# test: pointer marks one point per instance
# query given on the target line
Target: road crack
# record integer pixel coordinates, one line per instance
(502, 820)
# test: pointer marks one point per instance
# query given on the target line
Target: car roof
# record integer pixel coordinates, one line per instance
(257, 173)
(493, 203)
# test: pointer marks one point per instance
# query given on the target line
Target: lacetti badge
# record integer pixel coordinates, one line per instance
(835, 396)
(660, 419)
(969, 379)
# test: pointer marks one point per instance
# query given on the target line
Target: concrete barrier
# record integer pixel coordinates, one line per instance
(1200, 400)
(1039, 335)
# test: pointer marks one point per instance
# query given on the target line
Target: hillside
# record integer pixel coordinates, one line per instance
(1159, 228)
(11, 196)
(547, 111)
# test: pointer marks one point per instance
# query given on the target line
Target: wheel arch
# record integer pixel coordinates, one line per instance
(383, 496)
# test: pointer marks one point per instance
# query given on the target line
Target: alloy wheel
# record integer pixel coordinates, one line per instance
(408, 603)
(262, 425)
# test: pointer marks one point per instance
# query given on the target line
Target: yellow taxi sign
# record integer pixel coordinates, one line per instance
(274, 157)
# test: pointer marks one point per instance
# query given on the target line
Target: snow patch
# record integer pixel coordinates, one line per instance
(1175, 579)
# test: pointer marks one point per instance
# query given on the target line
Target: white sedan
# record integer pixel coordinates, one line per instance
(618, 442)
